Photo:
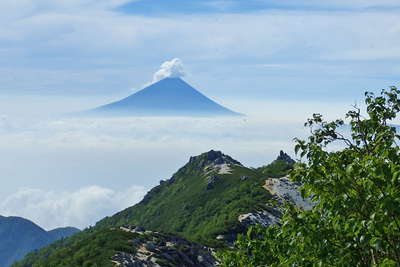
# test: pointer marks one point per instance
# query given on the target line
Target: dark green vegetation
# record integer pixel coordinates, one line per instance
(19, 236)
(356, 219)
(199, 202)
(93, 248)
(276, 169)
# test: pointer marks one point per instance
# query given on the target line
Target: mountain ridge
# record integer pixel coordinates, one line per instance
(208, 201)
(20, 236)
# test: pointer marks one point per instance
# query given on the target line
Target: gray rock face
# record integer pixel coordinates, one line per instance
(282, 190)
(285, 190)
(128, 260)
(264, 218)
(154, 249)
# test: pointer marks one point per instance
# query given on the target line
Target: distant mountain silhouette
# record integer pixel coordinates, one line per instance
(168, 97)
(20, 236)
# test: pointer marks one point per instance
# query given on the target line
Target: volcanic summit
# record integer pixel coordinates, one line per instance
(170, 96)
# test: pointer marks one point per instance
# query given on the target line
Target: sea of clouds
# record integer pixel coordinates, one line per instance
(60, 171)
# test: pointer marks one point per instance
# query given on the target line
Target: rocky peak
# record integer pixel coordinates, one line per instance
(208, 164)
(285, 157)
(213, 158)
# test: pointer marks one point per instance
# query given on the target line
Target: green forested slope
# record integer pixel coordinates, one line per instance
(203, 199)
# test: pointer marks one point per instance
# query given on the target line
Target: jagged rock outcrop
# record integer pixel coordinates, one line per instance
(267, 217)
(286, 158)
(154, 249)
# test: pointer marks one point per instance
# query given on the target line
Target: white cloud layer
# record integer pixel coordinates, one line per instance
(74, 171)
(169, 69)
(81, 208)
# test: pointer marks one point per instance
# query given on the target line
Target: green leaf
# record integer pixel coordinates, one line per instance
(376, 243)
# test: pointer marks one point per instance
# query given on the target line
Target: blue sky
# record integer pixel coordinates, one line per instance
(277, 61)
(160, 7)
(253, 49)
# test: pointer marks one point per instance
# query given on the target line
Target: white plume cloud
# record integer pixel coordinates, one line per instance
(172, 69)
(81, 208)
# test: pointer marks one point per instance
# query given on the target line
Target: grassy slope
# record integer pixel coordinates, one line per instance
(183, 207)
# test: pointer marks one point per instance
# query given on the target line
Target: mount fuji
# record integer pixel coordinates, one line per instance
(167, 97)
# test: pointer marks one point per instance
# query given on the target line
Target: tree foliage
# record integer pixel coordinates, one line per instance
(356, 191)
